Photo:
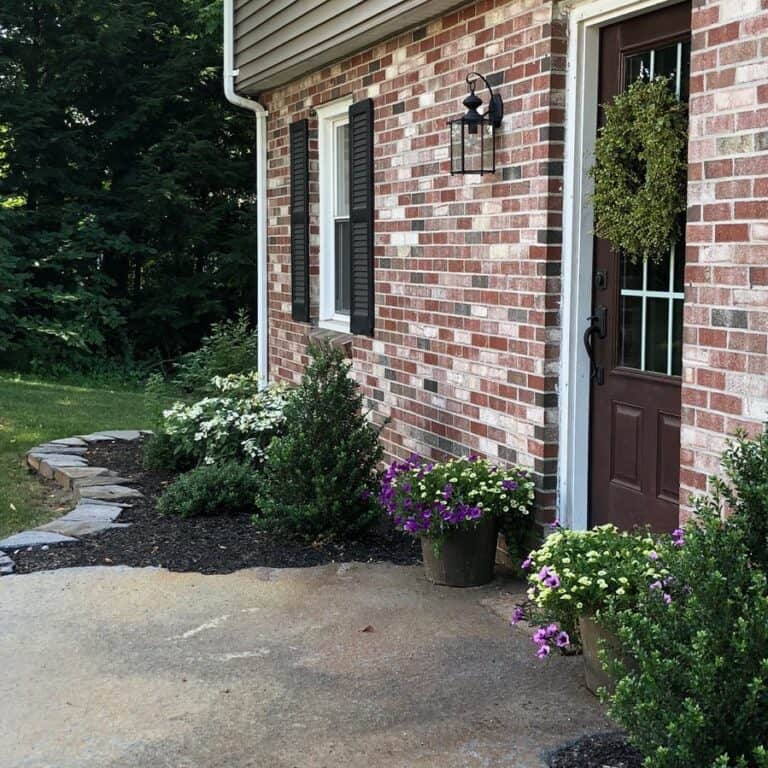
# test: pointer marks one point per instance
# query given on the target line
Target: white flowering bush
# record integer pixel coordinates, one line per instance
(577, 573)
(236, 423)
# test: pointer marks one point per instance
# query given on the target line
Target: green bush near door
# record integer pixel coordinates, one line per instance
(695, 692)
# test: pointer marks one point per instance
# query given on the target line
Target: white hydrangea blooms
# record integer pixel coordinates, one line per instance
(240, 420)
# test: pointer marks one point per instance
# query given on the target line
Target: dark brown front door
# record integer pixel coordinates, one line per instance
(635, 392)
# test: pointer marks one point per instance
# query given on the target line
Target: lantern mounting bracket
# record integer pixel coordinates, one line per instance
(495, 111)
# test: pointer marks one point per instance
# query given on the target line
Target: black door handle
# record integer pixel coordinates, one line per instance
(597, 326)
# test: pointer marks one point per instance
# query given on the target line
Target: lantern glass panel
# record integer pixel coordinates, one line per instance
(474, 150)
(489, 154)
(456, 146)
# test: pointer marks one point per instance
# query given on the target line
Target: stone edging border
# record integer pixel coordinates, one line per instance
(99, 494)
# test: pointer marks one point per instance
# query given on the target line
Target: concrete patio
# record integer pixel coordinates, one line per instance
(352, 665)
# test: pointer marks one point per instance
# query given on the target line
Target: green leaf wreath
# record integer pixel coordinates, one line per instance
(640, 170)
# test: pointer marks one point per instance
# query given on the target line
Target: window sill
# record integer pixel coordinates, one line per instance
(342, 339)
(335, 323)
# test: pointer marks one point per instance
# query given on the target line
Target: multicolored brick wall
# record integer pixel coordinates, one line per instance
(725, 352)
(467, 345)
(467, 341)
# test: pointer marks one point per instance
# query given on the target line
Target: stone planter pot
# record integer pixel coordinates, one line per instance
(466, 557)
(593, 638)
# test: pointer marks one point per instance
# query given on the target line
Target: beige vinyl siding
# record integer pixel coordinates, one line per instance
(279, 40)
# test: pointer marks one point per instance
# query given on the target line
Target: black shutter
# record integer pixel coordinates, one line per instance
(361, 216)
(300, 221)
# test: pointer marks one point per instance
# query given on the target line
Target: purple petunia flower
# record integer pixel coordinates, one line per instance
(667, 598)
(562, 640)
(517, 615)
(655, 585)
(526, 564)
(474, 513)
(678, 539)
(653, 555)
(448, 491)
(543, 573)
(509, 485)
(553, 580)
(543, 651)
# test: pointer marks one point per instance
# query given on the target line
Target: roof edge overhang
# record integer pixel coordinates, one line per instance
(278, 41)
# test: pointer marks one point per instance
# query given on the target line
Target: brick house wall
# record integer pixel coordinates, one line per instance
(466, 348)
(725, 350)
(466, 352)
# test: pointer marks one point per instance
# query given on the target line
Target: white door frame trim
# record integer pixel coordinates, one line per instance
(584, 22)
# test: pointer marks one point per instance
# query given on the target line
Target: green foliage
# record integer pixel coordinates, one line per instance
(577, 573)
(125, 181)
(694, 691)
(744, 491)
(222, 489)
(236, 423)
(229, 348)
(160, 452)
(319, 475)
(160, 394)
(640, 170)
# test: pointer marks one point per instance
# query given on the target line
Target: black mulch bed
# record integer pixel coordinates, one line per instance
(603, 750)
(204, 545)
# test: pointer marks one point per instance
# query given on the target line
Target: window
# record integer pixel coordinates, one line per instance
(335, 264)
(652, 294)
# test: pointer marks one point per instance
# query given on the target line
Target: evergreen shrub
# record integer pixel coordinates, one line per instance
(319, 475)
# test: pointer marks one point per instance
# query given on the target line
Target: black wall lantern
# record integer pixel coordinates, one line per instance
(473, 136)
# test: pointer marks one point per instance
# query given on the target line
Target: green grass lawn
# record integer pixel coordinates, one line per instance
(33, 411)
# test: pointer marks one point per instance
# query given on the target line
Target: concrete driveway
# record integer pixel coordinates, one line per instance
(352, 665)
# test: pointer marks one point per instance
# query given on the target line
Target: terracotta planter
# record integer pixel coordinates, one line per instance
(593, 638)
(466, 557)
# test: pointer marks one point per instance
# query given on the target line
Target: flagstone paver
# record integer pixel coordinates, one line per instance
(97, 491)
(108, 479)
(60, 449)
(106, 492)
(50, 462)
(34, 538)
(69, 441)
(67, 476)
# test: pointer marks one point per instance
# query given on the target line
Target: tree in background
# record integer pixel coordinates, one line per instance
(125, 181)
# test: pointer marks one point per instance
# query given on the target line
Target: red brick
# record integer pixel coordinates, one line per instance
(731, 233)
(754, 209)
(714, 169)
(725, 403)
(723, 34)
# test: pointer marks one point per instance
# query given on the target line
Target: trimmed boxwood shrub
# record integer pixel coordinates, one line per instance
(694, 691)
(319, 475)
(211, 489)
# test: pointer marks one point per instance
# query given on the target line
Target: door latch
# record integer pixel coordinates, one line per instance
(597, 325)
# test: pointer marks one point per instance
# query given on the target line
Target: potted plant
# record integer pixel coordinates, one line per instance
(576, 574)
(456, 507)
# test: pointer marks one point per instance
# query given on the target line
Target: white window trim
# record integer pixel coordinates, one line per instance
(585, 20)
(329, 117)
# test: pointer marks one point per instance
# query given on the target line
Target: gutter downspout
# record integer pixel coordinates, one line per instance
(260, 113)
